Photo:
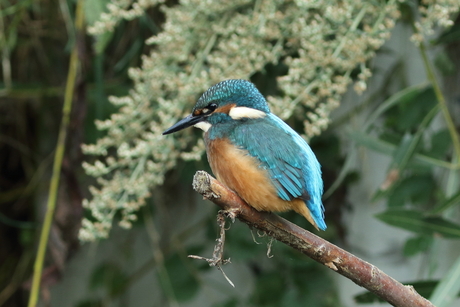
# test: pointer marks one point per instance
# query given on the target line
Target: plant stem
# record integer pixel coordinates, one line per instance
(441, 100)
(59, 154)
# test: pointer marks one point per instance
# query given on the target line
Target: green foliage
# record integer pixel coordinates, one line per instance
(182, 66)
(416, 221)
(304, 55)
(244, 244)
(184, 284)
(93, 11)
(292, 282)
(109, 277)
(421, 188)
(448, 287)
(90, 303)
(417, 245)
(452, 201)
(268, 289)
(229, 303)
(410, 110)
(414, 189)
(195, 50)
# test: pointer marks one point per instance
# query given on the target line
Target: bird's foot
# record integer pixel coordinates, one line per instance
(231, 213)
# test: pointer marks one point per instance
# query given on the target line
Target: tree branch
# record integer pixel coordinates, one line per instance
(359, 271)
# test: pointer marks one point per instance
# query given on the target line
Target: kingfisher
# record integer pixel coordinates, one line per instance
(255, 153)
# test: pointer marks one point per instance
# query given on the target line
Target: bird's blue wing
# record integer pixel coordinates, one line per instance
(293, 167)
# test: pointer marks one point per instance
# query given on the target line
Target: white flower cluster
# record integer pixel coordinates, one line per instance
(434, 13)
(323, 43)
(118, 10)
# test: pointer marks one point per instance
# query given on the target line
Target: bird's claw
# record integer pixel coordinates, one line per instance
(231, 213)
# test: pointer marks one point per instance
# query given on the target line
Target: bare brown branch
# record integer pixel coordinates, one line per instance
(359, 271)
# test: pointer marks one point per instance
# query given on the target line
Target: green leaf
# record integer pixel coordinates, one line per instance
(416, 221)
(412, 189)
(448, 287)
(440, 144)
(404, 150)
(388, 148)
(372, 142)
(406, 219)
(454, 200)
(403, 96)
(416, 245)
(410, 112)
(409, 143)
(443, 227)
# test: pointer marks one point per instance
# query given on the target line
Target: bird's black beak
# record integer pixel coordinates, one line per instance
(184, 123)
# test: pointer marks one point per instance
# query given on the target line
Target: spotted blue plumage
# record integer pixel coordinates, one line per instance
(240, 92)
(293, 167)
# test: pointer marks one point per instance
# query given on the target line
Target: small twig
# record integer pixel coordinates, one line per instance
(269, 248)
(217, 259)
(359, 271)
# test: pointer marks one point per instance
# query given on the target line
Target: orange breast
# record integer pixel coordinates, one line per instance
(239, 171)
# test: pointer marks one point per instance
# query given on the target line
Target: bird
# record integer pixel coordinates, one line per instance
(255, 153)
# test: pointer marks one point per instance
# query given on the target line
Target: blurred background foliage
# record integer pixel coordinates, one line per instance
(398, 118)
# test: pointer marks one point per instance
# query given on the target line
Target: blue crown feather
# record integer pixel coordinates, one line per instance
(241, 92)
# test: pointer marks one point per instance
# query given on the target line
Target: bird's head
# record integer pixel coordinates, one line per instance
(226, 101)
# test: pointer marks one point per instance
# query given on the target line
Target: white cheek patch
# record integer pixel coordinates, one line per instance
(245, 112)
(203, 126)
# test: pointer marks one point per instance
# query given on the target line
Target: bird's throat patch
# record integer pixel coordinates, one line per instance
(203, 126)
(245, 112)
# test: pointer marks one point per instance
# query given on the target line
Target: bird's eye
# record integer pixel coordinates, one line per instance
(209, 109)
